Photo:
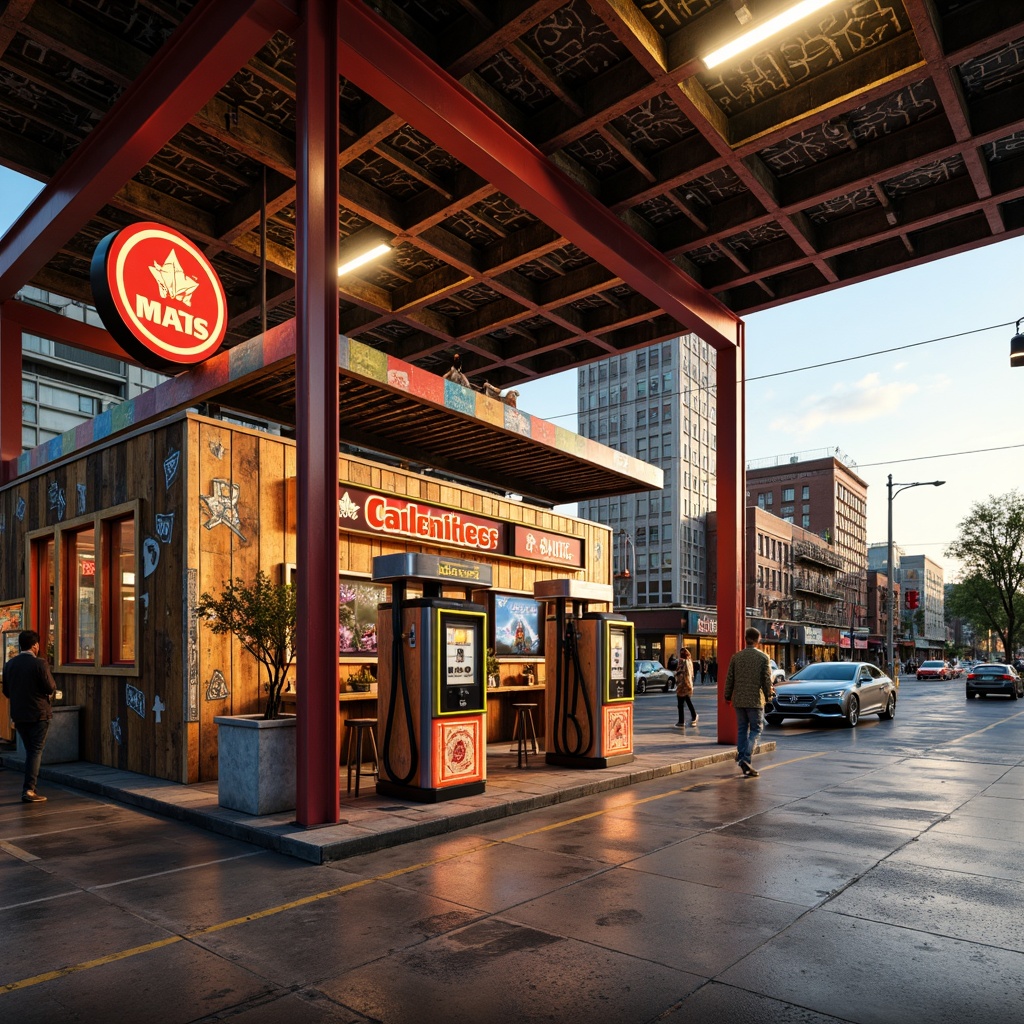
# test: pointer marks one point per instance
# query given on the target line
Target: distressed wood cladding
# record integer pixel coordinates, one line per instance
(212, 502)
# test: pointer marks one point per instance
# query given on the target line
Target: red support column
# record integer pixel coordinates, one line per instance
(10, 394)
(318, 743)
(732, 501)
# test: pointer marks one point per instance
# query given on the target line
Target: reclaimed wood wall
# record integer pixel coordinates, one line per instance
(228, 494)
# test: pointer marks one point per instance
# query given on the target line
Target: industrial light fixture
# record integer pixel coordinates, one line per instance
(357, 261)
(1017, 346)
(764, 30)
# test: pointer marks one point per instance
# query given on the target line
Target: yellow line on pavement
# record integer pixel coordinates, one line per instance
(340, 890)
(978, 732)
(86, 965)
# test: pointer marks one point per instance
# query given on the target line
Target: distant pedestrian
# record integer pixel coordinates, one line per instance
(684, 689)
(673, 662)
(28, 685)
(748, 687)
(703, 665)
(713, 671)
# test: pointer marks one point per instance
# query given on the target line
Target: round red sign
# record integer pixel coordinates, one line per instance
(159, 296)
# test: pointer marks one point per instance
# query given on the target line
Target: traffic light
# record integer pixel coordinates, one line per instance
(912, 600)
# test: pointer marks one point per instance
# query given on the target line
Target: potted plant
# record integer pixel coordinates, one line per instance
(262, 616)
(256, 753)
(492, 669)
(362, 680)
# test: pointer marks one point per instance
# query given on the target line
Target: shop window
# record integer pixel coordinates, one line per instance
(83, 591)
(80, 603)
(121, 591)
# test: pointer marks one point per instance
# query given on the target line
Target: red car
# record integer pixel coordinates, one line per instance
(933, 670)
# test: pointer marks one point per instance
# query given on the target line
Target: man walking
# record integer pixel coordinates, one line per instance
(748, 686)
(29, 687)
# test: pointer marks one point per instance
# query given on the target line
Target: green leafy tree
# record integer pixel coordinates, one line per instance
(990, 594)
(262, 616)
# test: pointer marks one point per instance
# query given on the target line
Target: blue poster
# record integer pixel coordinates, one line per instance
(517, 626)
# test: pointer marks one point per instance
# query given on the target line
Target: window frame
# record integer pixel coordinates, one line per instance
(63, 589)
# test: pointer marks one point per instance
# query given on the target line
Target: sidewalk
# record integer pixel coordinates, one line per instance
(375, 822)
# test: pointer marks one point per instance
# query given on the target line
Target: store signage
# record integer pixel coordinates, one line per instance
(369, 512)
(159, 296)
(702, 624)
(813, 635)
(552, 548)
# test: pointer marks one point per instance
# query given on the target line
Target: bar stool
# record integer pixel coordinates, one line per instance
(357, 728)
(524, 732)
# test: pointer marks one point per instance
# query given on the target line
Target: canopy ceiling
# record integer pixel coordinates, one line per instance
(612, 174)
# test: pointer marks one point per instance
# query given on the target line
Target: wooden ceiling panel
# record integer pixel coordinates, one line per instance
(868, 138)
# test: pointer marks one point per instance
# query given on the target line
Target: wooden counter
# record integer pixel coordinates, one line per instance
(500, 712)
(501, 715)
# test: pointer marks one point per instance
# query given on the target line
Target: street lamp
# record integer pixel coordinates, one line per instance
(895, 489)
(1017, 346)
(626, 575)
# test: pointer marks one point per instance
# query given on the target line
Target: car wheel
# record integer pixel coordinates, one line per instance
(890, 708)
(641, 686)
(853, 712)
(773, 719)
(1013, 693)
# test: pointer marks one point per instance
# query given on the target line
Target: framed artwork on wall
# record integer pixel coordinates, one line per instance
(357, 613)
(518, 628)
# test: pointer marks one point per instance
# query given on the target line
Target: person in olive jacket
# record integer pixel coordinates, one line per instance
(28, 685)
(748, 687)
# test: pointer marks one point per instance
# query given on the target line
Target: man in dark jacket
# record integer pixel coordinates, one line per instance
(748, 687)
(29, 687)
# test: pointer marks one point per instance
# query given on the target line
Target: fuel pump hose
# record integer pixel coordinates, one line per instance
(399, 675)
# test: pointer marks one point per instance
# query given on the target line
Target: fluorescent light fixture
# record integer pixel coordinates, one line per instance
(759, 33)
(358, 261)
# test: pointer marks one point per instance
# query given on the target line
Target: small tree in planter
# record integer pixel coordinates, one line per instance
(262, 615)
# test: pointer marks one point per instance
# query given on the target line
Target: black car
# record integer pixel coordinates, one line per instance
(984, 680)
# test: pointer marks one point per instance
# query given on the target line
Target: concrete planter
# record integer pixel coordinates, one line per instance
(61, 738)
(256, 763)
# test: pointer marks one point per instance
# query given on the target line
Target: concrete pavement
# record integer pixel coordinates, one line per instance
(868, 875)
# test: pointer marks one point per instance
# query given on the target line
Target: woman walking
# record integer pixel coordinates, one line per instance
(684, 687)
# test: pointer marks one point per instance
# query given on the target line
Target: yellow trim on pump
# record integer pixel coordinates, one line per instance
(630, 648)
(478, 667)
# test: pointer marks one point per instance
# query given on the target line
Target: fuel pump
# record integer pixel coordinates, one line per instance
(431, 697)
(589, 670)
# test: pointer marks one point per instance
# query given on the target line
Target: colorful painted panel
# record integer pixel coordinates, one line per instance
(458, 751)
(617, 729)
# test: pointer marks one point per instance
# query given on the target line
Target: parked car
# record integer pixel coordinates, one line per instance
(778, 674)
(956, 670)
(839, 690)
(1004, 680)
(932, 670)
(652, 673)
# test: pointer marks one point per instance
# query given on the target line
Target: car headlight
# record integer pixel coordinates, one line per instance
(831, 695)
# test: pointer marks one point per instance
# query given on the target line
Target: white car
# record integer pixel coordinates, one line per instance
(778, 674)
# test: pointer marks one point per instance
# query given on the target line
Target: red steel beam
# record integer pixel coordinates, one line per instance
(383, 63)
(48, 324)
(318, 743)
(731, 505)
(215, 39)
(10, 397)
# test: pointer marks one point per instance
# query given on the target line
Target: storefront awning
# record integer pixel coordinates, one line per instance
(388, 406)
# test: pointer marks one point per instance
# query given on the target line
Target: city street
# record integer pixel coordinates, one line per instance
(869, 875)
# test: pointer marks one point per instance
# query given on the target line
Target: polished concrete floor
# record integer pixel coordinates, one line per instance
(868, 875)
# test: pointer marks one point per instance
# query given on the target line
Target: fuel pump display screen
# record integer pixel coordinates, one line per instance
(617, 663)
(460, 662)
(460, 654)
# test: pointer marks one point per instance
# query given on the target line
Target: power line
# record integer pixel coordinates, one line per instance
(944, 455)
(710, 388)
(878, 352)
